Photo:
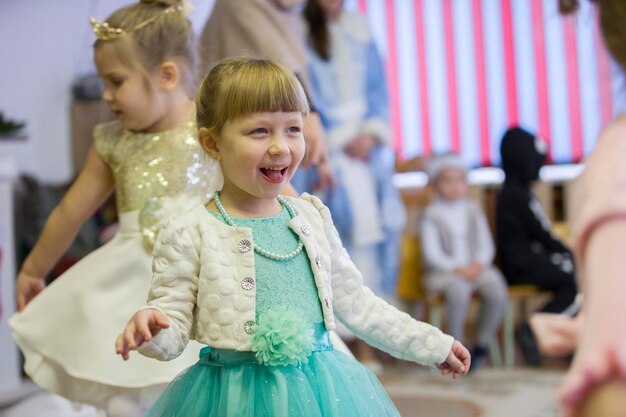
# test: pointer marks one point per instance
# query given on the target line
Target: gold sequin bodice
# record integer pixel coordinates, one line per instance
(153, 165)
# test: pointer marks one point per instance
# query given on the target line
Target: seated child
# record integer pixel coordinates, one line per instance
(529, 252)
(458, 252)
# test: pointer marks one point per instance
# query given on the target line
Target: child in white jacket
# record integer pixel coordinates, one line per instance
(259, 277)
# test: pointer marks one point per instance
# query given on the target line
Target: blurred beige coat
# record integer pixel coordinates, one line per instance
(269, 29)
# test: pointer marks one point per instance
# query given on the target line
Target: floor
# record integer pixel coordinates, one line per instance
(487, 393)
(31, 401)
(417, 392)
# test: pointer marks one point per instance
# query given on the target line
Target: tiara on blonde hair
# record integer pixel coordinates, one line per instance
(106, 32)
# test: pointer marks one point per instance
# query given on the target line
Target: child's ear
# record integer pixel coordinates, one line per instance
(208, 143)
(169, 75)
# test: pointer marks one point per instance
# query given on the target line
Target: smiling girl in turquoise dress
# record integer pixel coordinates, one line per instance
(261, 278)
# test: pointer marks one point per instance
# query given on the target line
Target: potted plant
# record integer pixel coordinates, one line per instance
(11, 129)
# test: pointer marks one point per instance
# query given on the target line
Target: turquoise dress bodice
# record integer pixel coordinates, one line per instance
(288, 283)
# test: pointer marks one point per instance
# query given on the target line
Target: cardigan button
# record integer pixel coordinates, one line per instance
(245, 245)
(318, 262)
(247, 283)
(305, 230)
(248, 327)
(327, 302)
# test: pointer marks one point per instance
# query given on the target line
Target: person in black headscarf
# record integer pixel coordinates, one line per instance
(529, 252)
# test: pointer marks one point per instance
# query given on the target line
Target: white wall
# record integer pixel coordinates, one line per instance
(44, 46)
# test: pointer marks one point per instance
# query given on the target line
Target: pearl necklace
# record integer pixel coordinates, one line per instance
(263, 252)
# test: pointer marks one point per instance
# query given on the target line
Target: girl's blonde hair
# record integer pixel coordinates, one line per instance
(153, 36)
(239, 86)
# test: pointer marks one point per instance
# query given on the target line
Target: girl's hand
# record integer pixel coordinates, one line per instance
(27, 287)
(142, 327)
(458, 361)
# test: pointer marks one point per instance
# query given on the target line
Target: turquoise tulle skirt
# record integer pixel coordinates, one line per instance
(228, 383)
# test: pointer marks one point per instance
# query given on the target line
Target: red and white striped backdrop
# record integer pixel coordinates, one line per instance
(461, 71)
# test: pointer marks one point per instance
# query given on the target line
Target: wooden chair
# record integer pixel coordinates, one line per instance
(519, 295)
(434, 304)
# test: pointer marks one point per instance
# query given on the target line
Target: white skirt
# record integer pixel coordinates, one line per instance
(67, 333)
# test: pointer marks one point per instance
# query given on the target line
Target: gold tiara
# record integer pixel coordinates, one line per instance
(108, 33)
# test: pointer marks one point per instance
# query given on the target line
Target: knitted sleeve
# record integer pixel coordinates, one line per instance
(175, 267)
(371, 318)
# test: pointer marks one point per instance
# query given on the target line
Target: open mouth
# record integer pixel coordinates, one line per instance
(274, 174)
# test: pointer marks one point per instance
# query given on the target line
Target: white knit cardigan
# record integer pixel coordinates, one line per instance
(198, 282)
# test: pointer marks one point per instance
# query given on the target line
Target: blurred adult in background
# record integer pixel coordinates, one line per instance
(348, 83)
(268, 29)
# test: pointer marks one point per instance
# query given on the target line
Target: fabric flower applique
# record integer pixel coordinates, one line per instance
(282, 337)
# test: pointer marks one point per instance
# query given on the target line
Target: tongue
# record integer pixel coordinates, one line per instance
(273, 175)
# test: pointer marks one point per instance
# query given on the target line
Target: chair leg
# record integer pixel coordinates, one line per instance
(509, 335)
(435, 315)
(494, 353)
(435, 318)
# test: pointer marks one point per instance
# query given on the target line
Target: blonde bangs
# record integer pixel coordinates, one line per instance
(240, 86)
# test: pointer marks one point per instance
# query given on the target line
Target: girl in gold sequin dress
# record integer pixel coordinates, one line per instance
(145, 54)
